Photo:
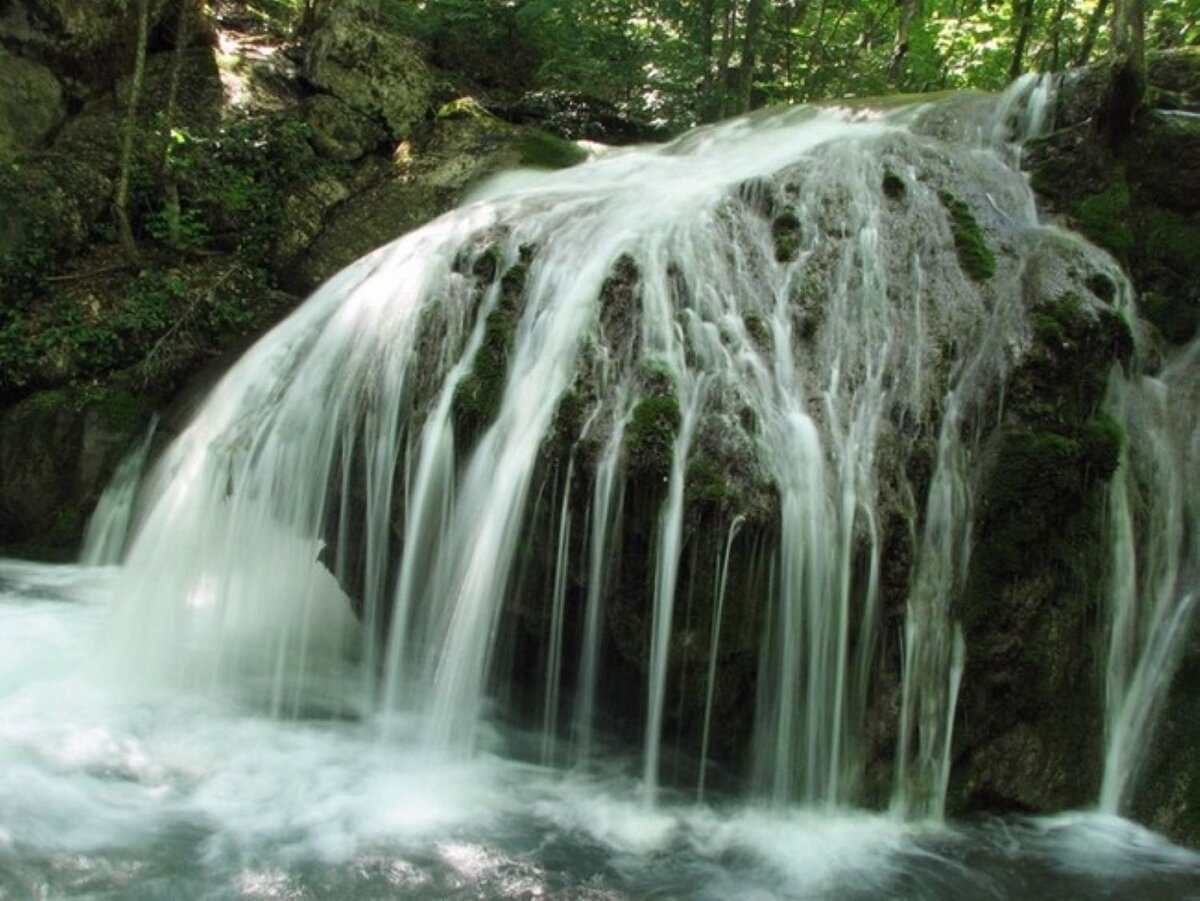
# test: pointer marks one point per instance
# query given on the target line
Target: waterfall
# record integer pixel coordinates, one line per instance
(748, 337)
(108, 528)
(1154, 588)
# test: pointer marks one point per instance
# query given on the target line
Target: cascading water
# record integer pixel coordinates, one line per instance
(614, 451)
(108, 529)
(716, 303)
(1155, 582)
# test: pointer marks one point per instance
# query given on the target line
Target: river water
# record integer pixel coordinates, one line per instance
(107, 791)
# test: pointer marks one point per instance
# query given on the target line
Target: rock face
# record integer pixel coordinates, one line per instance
(1134, 200)
(57, 451)
(88, 43)
(31, 104)
(373, 71)
(464, 145)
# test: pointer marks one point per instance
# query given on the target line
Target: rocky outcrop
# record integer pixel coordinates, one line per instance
(374, 71)
(57, 451)
(463, 145)
(1136, 200)
(87, 43)
(31, 104)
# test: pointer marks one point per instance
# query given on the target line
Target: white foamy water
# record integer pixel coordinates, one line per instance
(107, 795)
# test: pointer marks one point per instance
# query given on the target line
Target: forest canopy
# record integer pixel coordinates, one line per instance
(678, 62)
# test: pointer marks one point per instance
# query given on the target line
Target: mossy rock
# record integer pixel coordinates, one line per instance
(650, 435)
(338, 132)
(539, 149)
(974, 256)
(58, 448)
(373, 69)
(786, 234)
(31, 104)
(479, 395)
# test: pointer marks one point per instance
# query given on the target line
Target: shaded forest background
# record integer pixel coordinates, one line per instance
(680, 62)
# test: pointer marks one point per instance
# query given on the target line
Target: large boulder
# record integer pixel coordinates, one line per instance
(88, 43)
(31, 104)
(338, 132)
(377, 72)
(465, 145)
(57, 452)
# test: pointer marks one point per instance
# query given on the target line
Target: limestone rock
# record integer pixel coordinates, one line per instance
(89, 43)
(374, 71)
(338, 132)
(466, 145)
(31, 104)
(57, 451)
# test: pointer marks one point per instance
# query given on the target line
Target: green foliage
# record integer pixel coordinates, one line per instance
(974, 255)
(707, 484)
(230, 183)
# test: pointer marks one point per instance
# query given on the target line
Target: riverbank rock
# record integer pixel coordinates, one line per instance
(464, 145)
(57, 451)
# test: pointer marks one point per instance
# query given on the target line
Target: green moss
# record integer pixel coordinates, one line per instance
(1105, 218)
(542, 150)
(568, 420)
(1100, 442)
(974, 255)
(785, 232)
(707, 484)
(1048, 329)
(650, 435)
(48, 401)
(465, 108)
(478, 396)
(758, 330)
(122, 408)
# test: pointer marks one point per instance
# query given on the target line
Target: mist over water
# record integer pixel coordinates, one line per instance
(294, 684)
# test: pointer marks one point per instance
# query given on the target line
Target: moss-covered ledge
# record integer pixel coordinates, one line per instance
(1138, 201)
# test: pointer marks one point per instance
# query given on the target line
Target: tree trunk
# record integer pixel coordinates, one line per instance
(1092, 32)
(170, 185)
(121, 202)
(1056, 25)
(908, 11)
(754, 15)
(1129, 71)
(1023, 25)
